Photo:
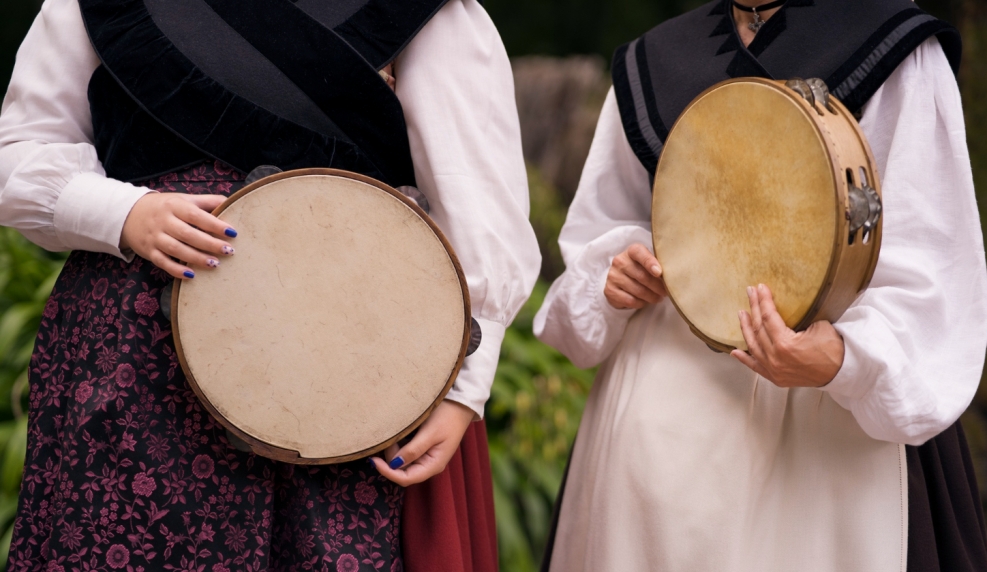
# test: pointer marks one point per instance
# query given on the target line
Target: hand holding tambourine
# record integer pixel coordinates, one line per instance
(766, 183)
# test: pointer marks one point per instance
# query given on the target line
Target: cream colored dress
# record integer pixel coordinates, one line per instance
(686, 461)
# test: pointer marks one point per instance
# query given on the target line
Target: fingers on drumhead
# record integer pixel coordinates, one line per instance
(200, 230)
(174, 269)
(773, 321)
(211, 224)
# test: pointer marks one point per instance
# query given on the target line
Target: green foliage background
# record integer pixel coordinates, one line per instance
(27, 275)
(538, 395)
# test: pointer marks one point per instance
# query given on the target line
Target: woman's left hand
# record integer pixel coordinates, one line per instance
(428, 453)
(783, 356)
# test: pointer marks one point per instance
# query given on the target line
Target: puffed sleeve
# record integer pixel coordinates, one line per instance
(610, 212)
(52, 186)
(915, 339)
(455, 84)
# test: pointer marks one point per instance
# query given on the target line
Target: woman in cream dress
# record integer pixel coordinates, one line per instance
(800, 457)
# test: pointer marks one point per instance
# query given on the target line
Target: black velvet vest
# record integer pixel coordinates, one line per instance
(250, 83)
(853, 45)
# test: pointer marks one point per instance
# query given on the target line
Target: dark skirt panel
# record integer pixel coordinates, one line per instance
(946, 530)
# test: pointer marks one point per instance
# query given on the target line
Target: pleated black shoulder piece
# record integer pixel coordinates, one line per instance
(854, 45)
(250, 82)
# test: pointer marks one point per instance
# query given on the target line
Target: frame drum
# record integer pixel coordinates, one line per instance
(337, 327)
(765, 182)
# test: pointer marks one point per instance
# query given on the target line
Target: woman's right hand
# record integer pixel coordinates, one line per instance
(164, 226)
(634, 280)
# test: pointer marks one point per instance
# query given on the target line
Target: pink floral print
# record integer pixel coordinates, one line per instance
(126, 470)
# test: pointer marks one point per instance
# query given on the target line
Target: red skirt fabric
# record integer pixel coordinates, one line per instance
(448, 521)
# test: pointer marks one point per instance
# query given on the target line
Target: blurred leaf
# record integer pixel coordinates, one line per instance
(13, 322)
(13, 457)
(532, 416)
(27, 274)
(5, 542)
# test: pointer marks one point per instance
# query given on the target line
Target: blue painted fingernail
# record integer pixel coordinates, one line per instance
(188, 274)
(372, 463)
(228, 250)
(396, 463)
(230, 233)
(212, 263)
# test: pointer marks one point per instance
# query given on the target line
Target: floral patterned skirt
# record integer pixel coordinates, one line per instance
(125, 470)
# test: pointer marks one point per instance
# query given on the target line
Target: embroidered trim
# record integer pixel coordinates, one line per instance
(863, 74)
(631, 95)
(871, 61)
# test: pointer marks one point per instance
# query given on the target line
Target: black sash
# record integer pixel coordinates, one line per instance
(250, 82)
(854, 45)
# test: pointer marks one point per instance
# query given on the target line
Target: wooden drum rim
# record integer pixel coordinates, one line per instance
(288, 455)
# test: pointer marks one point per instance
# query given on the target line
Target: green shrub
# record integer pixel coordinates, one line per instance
(532, 417)
(27, 274)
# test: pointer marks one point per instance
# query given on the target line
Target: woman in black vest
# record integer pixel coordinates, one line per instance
(111, 100)
(839, 449)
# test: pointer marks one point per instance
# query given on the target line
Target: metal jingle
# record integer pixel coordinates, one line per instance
(813, 90)
(414, 194)
(166, 300)
(864, 212)
(260, 172)
(820, 91)
(476, 336)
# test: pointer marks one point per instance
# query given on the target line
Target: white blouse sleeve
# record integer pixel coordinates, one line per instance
(52, 187)
(915, 339)
(455, 84)
(611, 211)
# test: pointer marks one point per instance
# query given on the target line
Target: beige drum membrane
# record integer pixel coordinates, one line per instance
(754, 186)
(337, 327)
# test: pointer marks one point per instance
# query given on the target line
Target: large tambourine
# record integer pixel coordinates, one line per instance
(765, 182)
(337, 327)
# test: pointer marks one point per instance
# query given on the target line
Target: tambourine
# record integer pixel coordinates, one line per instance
(340, 323)
(765, 182)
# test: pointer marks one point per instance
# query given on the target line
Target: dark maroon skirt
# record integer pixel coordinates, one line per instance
(125, 470)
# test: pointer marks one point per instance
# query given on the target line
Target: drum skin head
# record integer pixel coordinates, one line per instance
(336, 326)
(743, 196)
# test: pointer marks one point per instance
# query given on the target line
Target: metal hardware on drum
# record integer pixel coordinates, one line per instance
(476, 336)
(165, 303)
(260, 172)
(813, 90)
(865, 207)
(865, 204)
(414, 194)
